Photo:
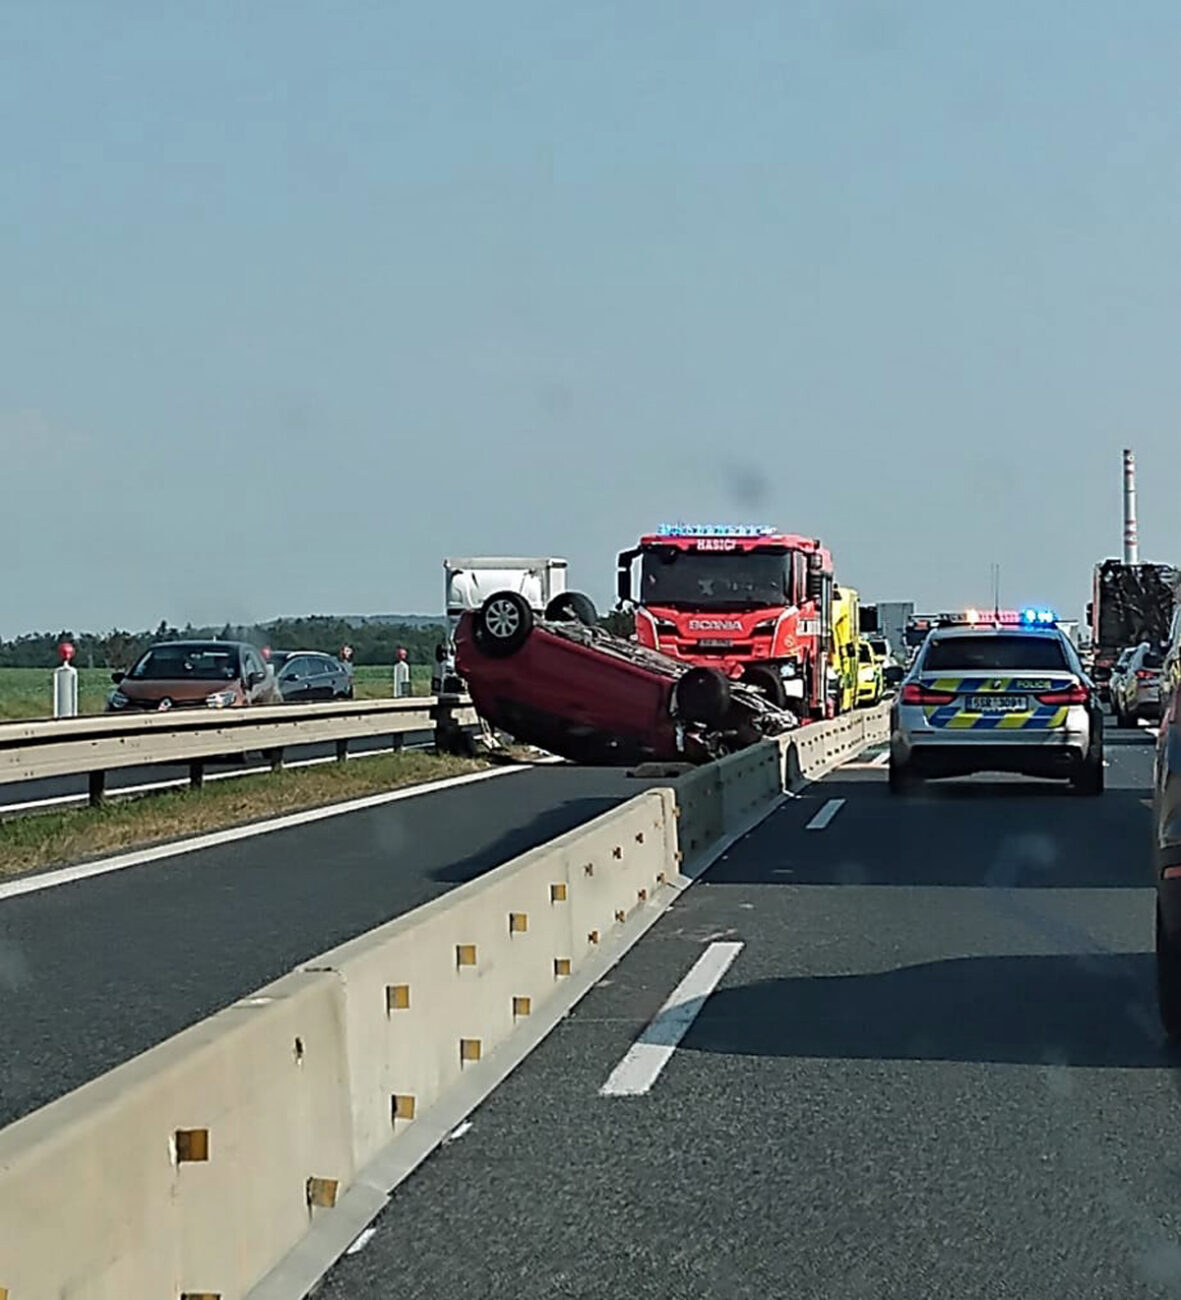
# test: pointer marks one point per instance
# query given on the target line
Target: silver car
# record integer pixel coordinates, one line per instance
(997, 698)
(1135, 691)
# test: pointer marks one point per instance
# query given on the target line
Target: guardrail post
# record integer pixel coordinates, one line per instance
(196, 774)
(276, 757)
(342, 750)
(450, 737)
(398, 739)
(97, 788)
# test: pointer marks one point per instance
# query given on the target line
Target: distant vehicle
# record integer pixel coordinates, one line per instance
(194, 674)
(304, 675)
(1130, 603)
(1138, 695)
(871, 684)
(997, 697)
(565, 684)
(880, 648)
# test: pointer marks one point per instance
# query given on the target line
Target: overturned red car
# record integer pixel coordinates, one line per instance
(565, 684)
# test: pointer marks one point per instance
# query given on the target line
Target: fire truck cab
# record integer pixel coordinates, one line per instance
(754, 603)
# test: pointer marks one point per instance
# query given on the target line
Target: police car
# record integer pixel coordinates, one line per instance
(997, 692)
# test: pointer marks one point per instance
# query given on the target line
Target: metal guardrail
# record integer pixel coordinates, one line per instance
(94, 745)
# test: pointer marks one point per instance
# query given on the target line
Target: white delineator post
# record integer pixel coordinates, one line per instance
(401, 678)
(65, 684)
(1131, 540)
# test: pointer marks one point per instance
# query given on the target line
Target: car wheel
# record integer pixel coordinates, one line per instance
(1168, 979)
(1088, 779)
(703, 695)
(768, 682)
(502, 624)
(902, 778)
(572, 607)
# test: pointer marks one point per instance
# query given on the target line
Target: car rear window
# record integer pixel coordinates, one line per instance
(1152, 659)
(994, 652)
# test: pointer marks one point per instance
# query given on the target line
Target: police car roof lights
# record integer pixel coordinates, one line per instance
(715, 530)
(1030, 617)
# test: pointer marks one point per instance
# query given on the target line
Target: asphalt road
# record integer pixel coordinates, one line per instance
(93, 973)
(934, 1069)
(17, 795)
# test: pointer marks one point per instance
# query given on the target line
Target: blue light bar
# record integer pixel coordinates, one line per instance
(715, 530)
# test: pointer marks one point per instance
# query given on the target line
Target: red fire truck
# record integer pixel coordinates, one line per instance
(752, 602)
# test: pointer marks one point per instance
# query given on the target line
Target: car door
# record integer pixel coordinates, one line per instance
(295, 679)
(322, 678)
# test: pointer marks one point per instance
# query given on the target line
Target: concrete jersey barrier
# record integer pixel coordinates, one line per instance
(195, 1169)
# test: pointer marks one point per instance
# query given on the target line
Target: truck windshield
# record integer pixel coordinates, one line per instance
(726, 580)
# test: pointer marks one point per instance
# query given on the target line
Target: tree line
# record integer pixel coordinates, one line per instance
(372, 642)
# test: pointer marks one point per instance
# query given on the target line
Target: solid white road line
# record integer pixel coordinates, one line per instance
(825, 815)
(48, 879)
(652, 1051)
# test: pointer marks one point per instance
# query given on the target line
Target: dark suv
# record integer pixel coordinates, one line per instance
(565, 684)
(194, 674)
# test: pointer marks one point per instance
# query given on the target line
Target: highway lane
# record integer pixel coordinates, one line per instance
(94, 972)
(934, 1068)
(18, 796)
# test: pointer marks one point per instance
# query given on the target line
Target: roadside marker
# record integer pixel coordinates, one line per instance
(825, 815)
(652, 1051)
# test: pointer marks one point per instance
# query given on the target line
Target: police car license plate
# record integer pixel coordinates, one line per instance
(997, 703)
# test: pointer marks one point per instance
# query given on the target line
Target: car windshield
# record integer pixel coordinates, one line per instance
(722, 580)
(878, 647)
(994, 653)
(205, 663)
(865, 653)
(279, 658)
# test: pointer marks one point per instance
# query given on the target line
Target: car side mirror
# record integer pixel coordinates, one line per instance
(117, 677)
(256, 678)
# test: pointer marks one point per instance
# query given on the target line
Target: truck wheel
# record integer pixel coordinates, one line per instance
(572, 607)
(703, 695)
(767, 681)
(502, 624)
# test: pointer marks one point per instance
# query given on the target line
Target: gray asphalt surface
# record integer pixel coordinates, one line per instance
(933, 1070)
(21, 792)
(93, 973)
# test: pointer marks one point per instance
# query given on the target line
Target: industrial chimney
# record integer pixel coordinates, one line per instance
(1131, 541)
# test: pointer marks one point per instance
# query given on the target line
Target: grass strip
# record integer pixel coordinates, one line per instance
(56, 838)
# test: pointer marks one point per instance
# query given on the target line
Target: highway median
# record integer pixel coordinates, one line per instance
(58, 837)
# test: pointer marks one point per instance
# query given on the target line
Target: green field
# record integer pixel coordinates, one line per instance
(28, 692)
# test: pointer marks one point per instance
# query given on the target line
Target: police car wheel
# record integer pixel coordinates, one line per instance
(1168, 979)
(502, 624)
(902, 778)
(1088, 780)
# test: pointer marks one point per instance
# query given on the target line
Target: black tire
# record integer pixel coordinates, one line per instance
(502, 624)
(703, 695)
(902, 778)
(572, 607)
(767, 681)
(1168, 979)
(1089, 779)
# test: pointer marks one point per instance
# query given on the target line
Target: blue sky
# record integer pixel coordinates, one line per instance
(300, 298)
